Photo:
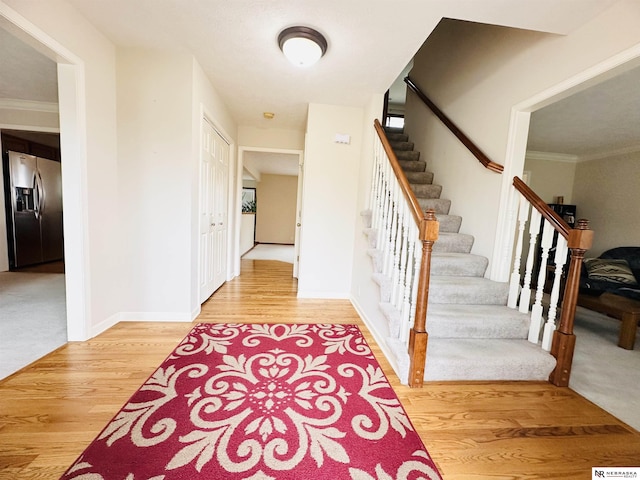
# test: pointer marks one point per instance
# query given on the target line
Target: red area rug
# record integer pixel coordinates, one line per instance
(261, 402)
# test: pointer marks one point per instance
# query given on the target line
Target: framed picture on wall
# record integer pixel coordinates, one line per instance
(248, 200)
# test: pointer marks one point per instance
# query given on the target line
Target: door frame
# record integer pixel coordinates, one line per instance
(73, 133)
(517, 144)
(238, 210)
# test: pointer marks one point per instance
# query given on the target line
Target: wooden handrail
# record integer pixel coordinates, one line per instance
(564, 340)
(428, 228)
(579, 240)
(466, 141)
(549, 215)
(411, 198)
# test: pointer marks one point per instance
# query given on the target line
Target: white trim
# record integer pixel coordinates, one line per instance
(72, 108)
(325, 295)
(154, 317)
(105, 325)
(519, 132)
(389, 355)
(241, 150)
(28, 105)
(552, 157)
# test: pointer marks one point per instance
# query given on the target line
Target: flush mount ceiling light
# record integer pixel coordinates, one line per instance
(303, 46)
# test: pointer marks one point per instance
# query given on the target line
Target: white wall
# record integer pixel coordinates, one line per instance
(92, 239)
(162, 98)
(476, 74)
(247, 232)
(329, 201)
(155, 187)
(270, 138)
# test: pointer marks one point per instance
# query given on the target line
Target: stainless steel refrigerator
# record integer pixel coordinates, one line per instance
(34, 210)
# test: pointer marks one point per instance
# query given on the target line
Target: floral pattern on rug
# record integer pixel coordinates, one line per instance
(261, 402)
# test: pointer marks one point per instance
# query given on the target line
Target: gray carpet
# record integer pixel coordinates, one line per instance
(602, 372)
(33, 320)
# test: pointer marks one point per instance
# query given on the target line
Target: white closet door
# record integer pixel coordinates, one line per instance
(214, 175)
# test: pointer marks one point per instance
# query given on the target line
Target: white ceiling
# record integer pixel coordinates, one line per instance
(369, 45)
(601, 119)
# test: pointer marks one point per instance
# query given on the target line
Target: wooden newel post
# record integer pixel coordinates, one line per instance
(429, 228)
(564, 340)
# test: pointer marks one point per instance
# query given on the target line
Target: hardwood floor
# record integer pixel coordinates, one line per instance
(51, 410)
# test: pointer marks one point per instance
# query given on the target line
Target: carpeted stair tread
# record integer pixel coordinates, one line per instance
(419, 177)
(458, 264)
(453, 243)
(376, 258)
(366, 217)
(440, 205)
(408, 155)
(426, 190)
(393, 130)
(384, 282)
(397, 137)
(473, 335)
(467, 290)
(449, 223)
(476, 321)
(413, 165)
(487, 359)
(401, 146)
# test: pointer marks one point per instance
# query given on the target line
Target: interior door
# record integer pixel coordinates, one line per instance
(214, 175)
(220, 210)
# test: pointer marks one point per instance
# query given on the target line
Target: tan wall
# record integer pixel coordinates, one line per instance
(276, 197)
(606, 193)
(550, 179)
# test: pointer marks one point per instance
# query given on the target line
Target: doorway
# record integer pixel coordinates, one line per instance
(70, 110)
(32, 295)
(277, 177)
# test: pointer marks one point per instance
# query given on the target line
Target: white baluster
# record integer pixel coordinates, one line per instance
(407, 308)
(390, 253)
(406, 218)
(536, 310)
(560, 260)
(534, 229)
(514, 286)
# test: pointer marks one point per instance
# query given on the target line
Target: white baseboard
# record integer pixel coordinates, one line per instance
(378, 338)
(103, 326)
(141, 317)
(155, 317)
(327, 295)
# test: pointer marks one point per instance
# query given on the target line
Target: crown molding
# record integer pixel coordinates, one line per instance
(552, 157)
(28, 105)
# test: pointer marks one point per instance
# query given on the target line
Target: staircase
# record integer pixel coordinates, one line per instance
(473, 335)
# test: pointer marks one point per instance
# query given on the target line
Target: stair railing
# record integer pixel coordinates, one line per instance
(406, 236)
(466, 141)
(549, 235)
